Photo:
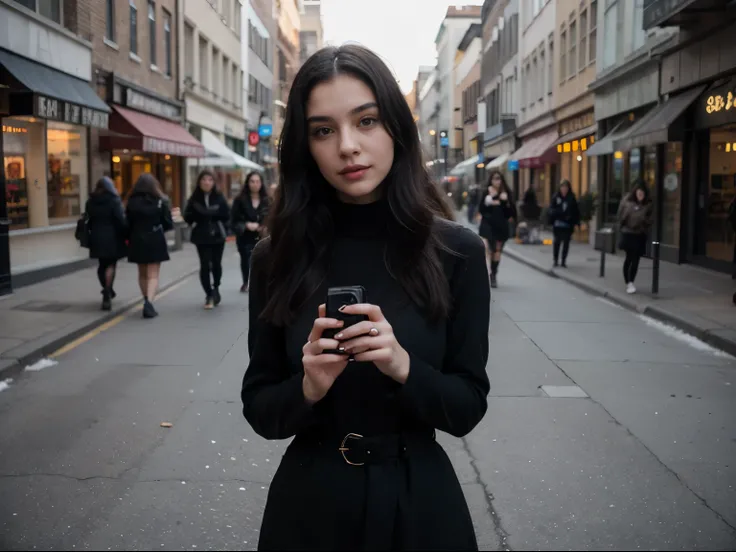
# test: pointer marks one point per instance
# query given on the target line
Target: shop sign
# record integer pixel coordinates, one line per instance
(156, 145)
(149, 104)
(718, 106)
(58, 110)
(253, 138)
(576, 123)
(265, 131)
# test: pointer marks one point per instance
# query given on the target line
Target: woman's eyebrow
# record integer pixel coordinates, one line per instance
(354, 111)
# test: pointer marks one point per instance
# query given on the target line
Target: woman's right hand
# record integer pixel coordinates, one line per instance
(321, 370)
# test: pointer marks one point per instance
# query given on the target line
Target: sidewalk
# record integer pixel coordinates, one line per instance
(695, 300)
(37, 320)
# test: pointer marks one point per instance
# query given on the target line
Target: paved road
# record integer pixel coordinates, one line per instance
(646, 461)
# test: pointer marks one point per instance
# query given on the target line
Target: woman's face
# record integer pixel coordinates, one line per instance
(255, 184)
(564, 190)
(640, 195)
(496, 182)
(347, 139)
(206, 183)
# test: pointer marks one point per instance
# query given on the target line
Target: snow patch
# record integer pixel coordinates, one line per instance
(5, 384)
(683, 337)
(41, 365)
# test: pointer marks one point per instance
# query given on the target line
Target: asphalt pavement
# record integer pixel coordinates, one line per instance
(605, 430)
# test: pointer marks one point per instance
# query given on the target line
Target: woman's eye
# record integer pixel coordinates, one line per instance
(321, 132)
(368, 121)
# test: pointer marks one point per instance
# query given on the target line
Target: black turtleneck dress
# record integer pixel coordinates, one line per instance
(405, 496)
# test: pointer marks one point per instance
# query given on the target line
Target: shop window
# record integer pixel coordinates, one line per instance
(18, 162)
(133, 27)
(719, 236)
(671, 195)
(167, 43)
(152, 31)
(66, 151)
(615, 188)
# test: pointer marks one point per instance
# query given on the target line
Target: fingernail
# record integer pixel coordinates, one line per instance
(339, 336)
(342, 308)
(341, 349)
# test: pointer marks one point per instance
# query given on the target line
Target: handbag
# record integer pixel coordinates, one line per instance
(81, 234)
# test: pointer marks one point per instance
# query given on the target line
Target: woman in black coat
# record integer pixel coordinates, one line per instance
(356, 207)
(564, 216)
(107, 233)
(207, 212)
(248, 220)
(149, 217)
(496, 209)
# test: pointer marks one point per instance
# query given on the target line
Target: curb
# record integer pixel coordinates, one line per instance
(655, 312)
(13, 367)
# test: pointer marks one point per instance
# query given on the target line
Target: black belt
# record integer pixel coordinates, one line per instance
(357, 450)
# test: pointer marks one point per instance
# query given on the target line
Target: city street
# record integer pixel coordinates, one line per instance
(605, 430)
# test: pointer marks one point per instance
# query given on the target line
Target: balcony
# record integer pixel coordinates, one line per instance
(665, 13)
(507, 125)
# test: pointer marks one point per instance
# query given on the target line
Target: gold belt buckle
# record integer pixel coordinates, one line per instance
(343, 449)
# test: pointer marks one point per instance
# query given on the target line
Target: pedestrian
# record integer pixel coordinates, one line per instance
(564, 216)
(635, 220)
(357, 208)
(473, 199)
(149, 218)
(248, 220)
(108, 231)
(497, 211)
(207, 212)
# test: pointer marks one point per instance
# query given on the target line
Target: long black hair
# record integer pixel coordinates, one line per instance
(639, 185)
(504, 186)
(198, 193)
(301, 223)
(147, 184)
(245, 190)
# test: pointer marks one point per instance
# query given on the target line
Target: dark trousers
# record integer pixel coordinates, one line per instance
(562, 238)
(210, 262)
(102, 266)
(631, 266)
(246, 251)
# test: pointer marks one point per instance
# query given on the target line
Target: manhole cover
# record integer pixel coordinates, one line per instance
(42, 306)
(564, 392)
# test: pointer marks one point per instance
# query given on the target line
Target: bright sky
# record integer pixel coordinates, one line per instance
(400, 31)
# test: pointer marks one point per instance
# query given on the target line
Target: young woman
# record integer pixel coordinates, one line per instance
(635, 220)
(356, 207)
(248, 220)
(564, 216)
(107, 233)
(496, 209)
(149, 217)
(207, 212)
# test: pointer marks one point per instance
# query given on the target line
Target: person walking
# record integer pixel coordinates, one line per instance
(357, 208)
(207, 212)
(497, 210)
(248, 220)
(108, 231)
(635, 220)
(149, 218)
(564, 216)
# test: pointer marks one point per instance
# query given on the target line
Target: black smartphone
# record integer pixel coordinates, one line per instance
(338, 297)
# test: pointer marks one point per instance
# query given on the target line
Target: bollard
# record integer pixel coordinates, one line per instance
(602, 273)
(655, 267)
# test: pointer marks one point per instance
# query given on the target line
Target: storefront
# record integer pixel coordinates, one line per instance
(538, 160)
(146, 135)
(46, 120)
(577, 134)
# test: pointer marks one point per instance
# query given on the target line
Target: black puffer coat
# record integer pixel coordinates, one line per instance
(107, 226)
(208, 219)
(149, 217)
(244, 212)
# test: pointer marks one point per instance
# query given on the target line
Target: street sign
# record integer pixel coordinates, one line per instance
(444, 141)
(253, 138)
(513, 165)
(265, 131)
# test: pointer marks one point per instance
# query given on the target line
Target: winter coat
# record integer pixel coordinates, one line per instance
(149, 217)
(494, 224)
(530, 209)
(564, 212)
(242, 213)
(634, 217)
(207, 221)
(108, 228)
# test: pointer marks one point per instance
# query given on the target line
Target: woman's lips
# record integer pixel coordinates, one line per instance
(357, 174)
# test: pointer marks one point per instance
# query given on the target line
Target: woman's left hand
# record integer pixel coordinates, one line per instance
(374, 341)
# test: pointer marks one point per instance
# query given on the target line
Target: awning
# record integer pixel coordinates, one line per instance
(578, 134)
(138, 131)
(50, 94)
(537, 151)
(465, 166)
(498, 162)
(219, 155)
(604, 146)
(659, 126)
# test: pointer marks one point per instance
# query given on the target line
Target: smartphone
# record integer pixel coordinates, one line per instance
(338, 297)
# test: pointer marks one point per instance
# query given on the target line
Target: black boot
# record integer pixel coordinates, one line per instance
(494, 283)
(148, 310)
(106, 300)
(216, 296)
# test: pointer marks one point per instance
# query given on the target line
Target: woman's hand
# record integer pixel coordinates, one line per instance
(374, 341)
(504, 196)
(252, 226)
(321, 370)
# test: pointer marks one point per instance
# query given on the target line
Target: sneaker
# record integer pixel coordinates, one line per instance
(216, 296)
(148, 310)
(209, 303)
(494, 283)
(630, 288)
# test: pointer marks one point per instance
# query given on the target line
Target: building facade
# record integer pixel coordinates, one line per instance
(287, 53)
(311, 34)
(429, 107)
(467, 93)
(50, 114)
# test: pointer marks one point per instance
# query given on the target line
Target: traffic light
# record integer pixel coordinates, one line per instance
(443, 134)
(444, 139)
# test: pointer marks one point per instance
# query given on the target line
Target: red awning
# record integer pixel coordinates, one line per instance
(537, 151)
(137, 131)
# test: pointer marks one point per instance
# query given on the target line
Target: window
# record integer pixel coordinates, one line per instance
(236, 84)
(535, 80)
(110, 20)
(542, 69)
(593, 34)
(251, 89)
(152, 30)
(216, 81)
(238, 16)
(610, 34)
(66, 150)
(573, 49)
(640, 36)
(563, 55)
(529, 91)
(204, 71)
(167, 43)
(551, 64)
(225, 84)
(583, 38)
(133, 27)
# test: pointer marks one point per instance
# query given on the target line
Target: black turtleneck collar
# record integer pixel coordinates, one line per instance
(360, 221)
